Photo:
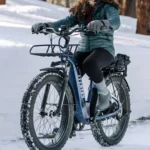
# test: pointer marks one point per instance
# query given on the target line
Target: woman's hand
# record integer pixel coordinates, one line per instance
(37, 27)
(98, 25)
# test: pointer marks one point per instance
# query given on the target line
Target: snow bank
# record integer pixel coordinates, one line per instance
(128, 24)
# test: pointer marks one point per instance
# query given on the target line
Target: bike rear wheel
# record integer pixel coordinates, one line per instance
(111, 131)
(43, 130)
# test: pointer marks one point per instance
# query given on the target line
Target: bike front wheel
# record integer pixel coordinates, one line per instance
(110, 131)
(42, 129)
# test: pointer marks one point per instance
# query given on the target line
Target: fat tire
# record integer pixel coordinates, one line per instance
(28, 98)
(96, 128)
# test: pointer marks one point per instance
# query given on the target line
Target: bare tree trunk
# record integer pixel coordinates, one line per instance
(52, 1)
(58, 2)
(123, 5)
(130, 9)
(143, 16)
(67, 3)
(2, 2)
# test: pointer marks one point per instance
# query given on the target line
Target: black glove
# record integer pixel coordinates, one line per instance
(38, 27)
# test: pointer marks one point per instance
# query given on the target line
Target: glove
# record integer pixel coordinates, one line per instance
(37, 27)
(98, 25)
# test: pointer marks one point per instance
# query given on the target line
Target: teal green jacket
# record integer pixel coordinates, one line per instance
(103, 39)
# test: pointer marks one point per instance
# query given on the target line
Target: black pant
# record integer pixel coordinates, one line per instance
(93, 62)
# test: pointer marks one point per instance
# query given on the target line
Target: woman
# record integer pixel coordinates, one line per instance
(95, 51)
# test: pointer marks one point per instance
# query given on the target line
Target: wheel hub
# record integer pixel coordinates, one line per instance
(51, 114)
(43, 114)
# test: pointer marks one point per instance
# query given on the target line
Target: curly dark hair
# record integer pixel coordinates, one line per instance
(82, 8)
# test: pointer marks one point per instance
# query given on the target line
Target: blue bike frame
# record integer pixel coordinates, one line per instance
(82, 112)
(82, 104)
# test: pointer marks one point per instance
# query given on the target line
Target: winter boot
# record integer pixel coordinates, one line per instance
(104, 96)
(103, 101)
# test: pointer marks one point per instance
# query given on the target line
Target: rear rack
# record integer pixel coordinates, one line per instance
(51, 50)
(119, 64)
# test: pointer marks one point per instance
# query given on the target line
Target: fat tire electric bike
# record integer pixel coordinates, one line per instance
(54, 105)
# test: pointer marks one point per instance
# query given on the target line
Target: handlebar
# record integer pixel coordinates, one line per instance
(64, 31)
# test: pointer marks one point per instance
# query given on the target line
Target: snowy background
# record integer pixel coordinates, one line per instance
(18, 68)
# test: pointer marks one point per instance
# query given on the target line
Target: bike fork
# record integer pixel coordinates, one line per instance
(62, 95)
(44, 101)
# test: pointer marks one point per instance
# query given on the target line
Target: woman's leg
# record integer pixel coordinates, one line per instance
(93, 66)
(80, 57)
(95, 62)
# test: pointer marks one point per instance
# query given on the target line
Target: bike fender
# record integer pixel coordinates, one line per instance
(60, 71)
(127, 84)
(50, 69)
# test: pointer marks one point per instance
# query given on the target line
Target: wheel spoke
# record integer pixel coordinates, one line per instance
(39, 125)
(48, 126)
(37, 118)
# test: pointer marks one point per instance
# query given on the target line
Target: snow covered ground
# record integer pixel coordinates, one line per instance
(18, 68)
